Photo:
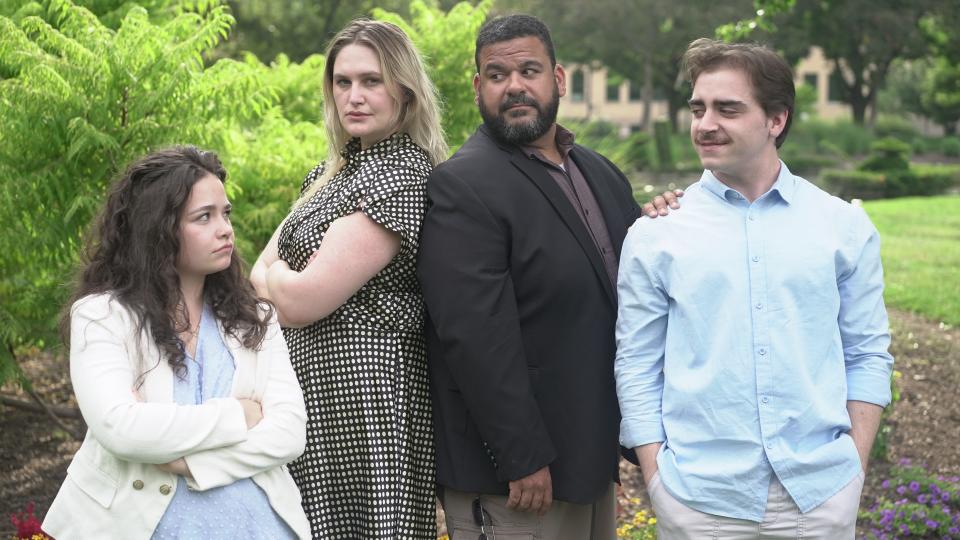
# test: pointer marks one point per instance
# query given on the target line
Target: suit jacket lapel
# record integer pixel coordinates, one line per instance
(606, 198)
(542, 179)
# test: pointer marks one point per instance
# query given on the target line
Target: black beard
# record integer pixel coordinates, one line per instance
(522, 133)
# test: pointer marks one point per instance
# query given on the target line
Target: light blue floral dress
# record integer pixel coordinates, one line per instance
(237, 510)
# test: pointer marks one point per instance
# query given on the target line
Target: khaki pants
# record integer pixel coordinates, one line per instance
(564, 521)
(835, 519)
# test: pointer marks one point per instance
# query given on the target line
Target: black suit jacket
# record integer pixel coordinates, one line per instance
(520, 325)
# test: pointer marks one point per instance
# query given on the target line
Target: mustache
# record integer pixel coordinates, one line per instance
(711, 138)
(519, 99)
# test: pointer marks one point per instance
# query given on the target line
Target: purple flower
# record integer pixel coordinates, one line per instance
(923, 498)
(954, 530)
(904, 529)
(904, 461)
(885, 484)
(914, 486)
(931, 523)
(901, 490)
(945, 496)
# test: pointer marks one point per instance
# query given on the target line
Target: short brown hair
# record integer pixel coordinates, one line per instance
(769, 74)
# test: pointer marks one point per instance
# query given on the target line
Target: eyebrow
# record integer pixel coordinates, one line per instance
(495, 66)
(207, 208)
(360, 75)
(719, 103)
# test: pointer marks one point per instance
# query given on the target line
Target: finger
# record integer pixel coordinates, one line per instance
(526, 497)
(514, 499)
(547, 501)
(679, 192)
(659, 202)
(649, 211)
(671, 198)
(536, 501)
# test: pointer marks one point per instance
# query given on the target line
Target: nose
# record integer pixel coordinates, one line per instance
(225, 229)
(707, 122)
(356, 94)
(515, 83)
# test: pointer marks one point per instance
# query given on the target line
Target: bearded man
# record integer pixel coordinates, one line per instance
(518, 265)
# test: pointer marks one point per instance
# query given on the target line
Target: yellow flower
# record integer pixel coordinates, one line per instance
(652, 521)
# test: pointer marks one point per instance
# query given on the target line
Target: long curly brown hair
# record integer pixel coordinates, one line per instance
(132, 251)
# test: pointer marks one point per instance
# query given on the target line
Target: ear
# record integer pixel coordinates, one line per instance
(476, 88)
(560, 75)
(777, 123)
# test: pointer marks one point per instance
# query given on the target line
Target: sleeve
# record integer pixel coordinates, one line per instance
(103, 378)
(280, 437)
(465, 276)
(864, 328)
(641, 344)
(396, 199)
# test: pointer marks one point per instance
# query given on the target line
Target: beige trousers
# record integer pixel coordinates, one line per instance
(835, 519)
(564, 521)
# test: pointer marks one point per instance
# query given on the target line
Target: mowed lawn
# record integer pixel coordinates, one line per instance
(920, 247)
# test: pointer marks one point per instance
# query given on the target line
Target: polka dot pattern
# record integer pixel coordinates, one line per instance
(368, 470)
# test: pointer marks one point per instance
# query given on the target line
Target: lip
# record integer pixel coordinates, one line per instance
(357, 115)
(227, 247)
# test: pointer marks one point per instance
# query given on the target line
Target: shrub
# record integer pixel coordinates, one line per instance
(629, 153)
(887, 154)
(950, 146)
(855, 184)
(896, 127)
(840, 136)
(913, 503)
(809, 164)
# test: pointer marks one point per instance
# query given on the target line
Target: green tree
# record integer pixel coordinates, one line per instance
(78, 100)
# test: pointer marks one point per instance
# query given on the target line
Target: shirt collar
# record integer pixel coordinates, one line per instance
(564, 139)
(785, 186)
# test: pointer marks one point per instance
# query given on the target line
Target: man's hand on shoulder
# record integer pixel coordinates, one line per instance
(661, 204)
(532, 493)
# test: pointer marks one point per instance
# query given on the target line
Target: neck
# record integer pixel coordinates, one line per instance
(547, 145)
(753, 180)
(192, 291)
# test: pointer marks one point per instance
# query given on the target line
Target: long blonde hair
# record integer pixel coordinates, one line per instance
(405, 79)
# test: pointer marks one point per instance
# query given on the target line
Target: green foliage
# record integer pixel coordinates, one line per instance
(950, 146)
(840, 138)
(913, 503)
(921, 254)
(763, 17)
(897, 127)
(887, 155)
(79, 101)
(446, 41)
(628, 153)
(850, 185)
(940, 93)
(661, 136)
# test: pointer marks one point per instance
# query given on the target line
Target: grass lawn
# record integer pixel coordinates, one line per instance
(920, 239)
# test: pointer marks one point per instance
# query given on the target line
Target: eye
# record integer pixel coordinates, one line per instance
(495, 76)
(226, 213)
(529, 72)
(204, 217)
(697, 112)
(342, 83)
(372, 81)
(728, 112)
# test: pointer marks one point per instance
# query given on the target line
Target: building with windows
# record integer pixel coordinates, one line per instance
(595, 94)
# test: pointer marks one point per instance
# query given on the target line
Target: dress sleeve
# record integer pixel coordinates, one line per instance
(311, 177)
(396, 198)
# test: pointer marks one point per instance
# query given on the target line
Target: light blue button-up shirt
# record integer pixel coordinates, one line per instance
(743, 330)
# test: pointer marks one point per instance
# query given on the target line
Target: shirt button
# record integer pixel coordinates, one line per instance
(165, 489)
(759, 305)
(755, 258)
(762, 352)
(750, 217)
(765, 399)
(138, 484)
(769, 446)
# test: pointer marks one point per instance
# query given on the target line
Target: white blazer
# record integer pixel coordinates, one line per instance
(113, 489)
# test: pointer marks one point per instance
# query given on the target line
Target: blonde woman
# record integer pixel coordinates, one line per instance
(340, 270)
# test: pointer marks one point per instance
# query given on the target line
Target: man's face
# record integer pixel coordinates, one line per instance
(517, 90)
(729, 129)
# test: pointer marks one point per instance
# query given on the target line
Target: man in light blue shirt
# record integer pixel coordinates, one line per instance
(752, 362)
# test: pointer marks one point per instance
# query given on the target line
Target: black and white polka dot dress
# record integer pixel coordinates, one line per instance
(368, 468)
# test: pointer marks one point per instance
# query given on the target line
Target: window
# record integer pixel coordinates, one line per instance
(635, 90)
(576, 86)
(811, 80)
(837, 89)
(613, 90)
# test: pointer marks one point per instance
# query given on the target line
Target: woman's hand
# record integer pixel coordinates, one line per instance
(178, 467)
(252, 412)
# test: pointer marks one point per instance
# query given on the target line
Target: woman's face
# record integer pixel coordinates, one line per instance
(206, 235)
(365, 107)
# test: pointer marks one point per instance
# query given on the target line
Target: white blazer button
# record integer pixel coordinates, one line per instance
(138, 484)
(165, 489)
